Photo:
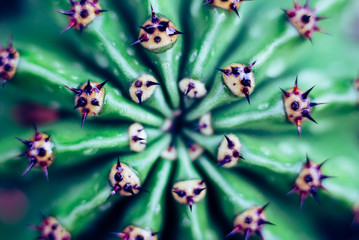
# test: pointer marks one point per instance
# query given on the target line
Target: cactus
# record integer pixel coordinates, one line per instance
(177, 120)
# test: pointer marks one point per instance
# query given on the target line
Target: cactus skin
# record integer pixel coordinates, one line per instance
(273, 153)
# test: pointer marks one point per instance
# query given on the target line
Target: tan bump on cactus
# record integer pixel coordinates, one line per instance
(229, 151)
(304, 19)
(239, 79)
(82, 13)
(9, 59)
(308, 177)
(169, 153)
(250, 222)
(124, 180)
(94, 98)
(136, 233)
(137, 137)
(189, 191)
(192, 88)
(50, 228)
(39, 152)
(230, 5)
(298, 105)
(42, 150)
(167, 125)
(195, 151)
(143, 88)
(89, 98)
(309, 180)
(294, 105)
(205, 124)
(157, 33)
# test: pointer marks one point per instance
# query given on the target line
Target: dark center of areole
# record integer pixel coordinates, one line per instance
(305, 113)
(127, 187)
(233, 6)
(138, 83)
(236, 154)
(88, 89)
(197, 191)
(118, 177)
(82, 102)
(308, 178)
(95, 102)
(248, 220)
(84, 13)
(162, 26)
(295, 105)
(11, 56)
(157, 39)
(51, 236)
(246, 82)
(149, 29)
(305, 18)
(7, 67)
(139, 237)
(181, 193)
(41, 152)
(135, 138)
(247, 70)
(227, 158)
(235, 71)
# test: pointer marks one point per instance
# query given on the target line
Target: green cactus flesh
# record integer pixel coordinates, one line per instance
(184, 136)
